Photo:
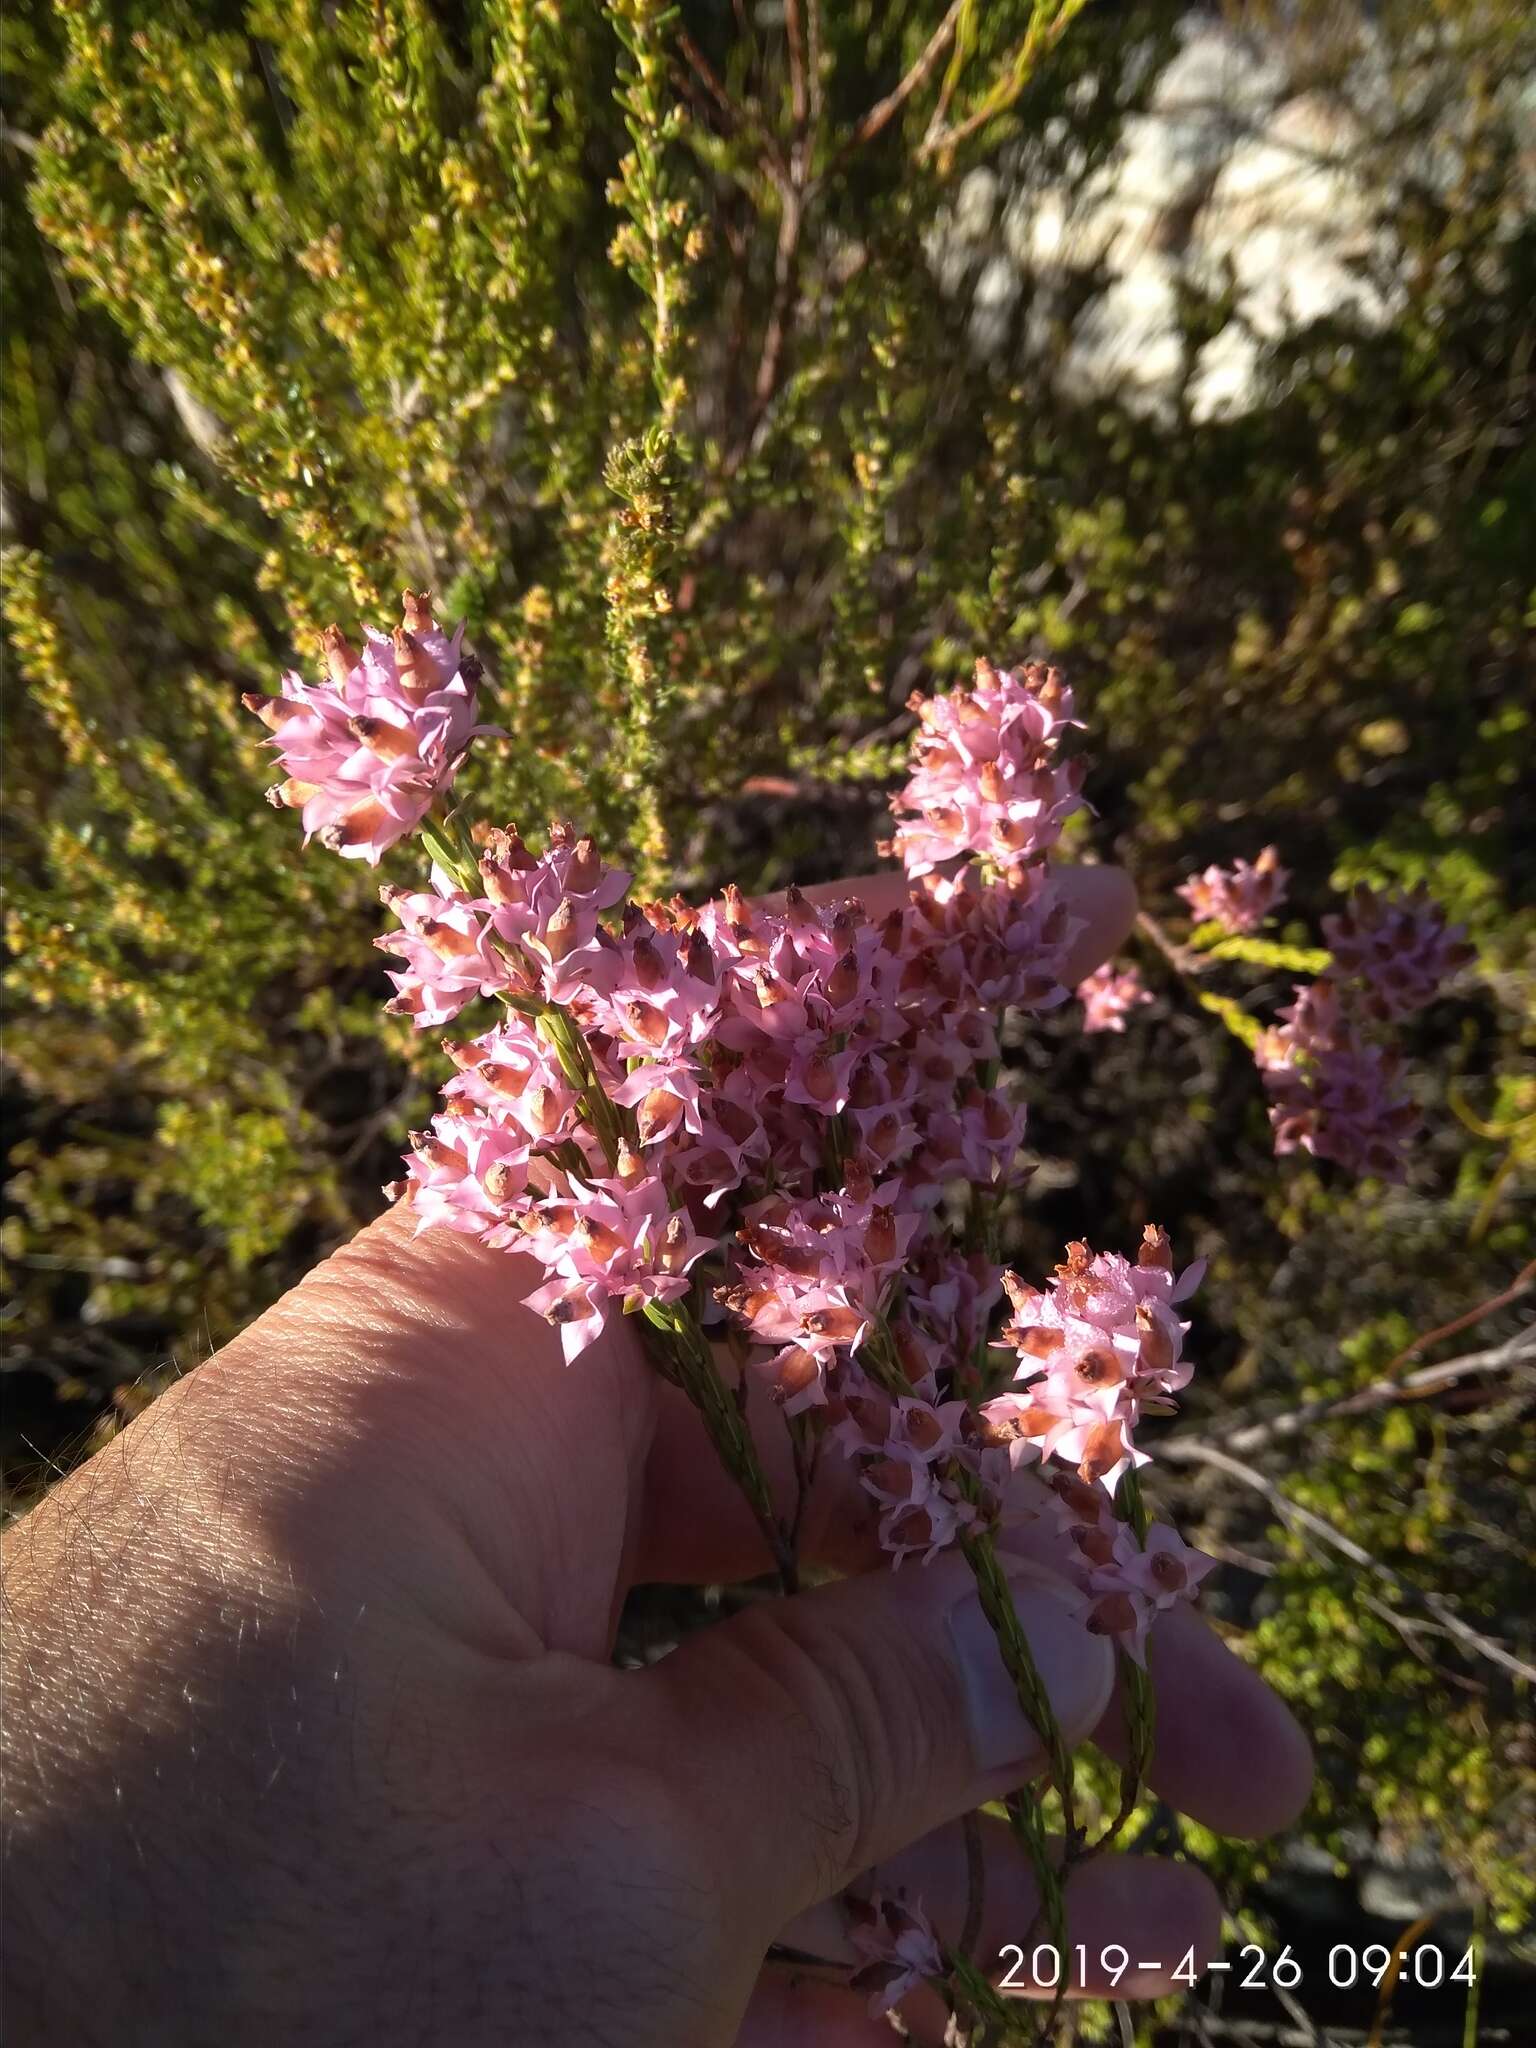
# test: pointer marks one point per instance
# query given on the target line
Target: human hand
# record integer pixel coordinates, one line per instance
(314, 1733)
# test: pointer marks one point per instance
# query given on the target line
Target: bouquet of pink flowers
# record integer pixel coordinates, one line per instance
(778, 1138)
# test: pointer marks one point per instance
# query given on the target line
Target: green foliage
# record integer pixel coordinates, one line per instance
(620, 328)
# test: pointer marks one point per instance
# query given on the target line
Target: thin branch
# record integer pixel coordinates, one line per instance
(737, 118)
(952, 76)
(799, 100)
(1186, 1450)
(813, 30)
(884, 111)
(1043, 35)
(1521, 1284)
(1184, 958)
(1413, 1386)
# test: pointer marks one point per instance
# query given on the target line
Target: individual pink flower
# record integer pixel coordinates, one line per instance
(365, 753)
(1109, 995)
(897, 1947)
(1333, 1091)
(1400, 949)
(985, 778)
(1238, 898)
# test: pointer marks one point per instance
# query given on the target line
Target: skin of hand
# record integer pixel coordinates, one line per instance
(313, 1735)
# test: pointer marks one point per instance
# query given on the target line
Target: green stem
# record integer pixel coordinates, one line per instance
(980, 1552)
(1135, 1685)
(690, 1364)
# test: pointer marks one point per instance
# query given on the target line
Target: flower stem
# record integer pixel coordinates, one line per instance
(690, 1364)
(1135, 1686)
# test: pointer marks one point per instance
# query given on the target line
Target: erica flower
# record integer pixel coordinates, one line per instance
(610, 1240)
(897, 1947)
(1097, 1350)
(1109, 995)
(1134, 1584)
(985, 778)
(1400, 949)
(1238, 898)
(1334, 1091)
(450, 955)
(365, 752)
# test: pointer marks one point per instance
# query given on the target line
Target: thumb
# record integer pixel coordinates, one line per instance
(823, 1733)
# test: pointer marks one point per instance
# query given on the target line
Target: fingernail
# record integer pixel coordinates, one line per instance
(1076, 1669)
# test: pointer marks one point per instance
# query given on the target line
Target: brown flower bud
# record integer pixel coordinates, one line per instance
(647, 1023)
(1155, 1249)
(699, 958)
(560, 932)
(341, 656)
(291, 795)
(891, 1476)
(880, 1238)
(409, 667)
(1114, 1615)
(270, 710)
(838, 1325)
(502, 1183)
(650, 968)
(656, 1114)
(427, 1145)
(389, 742)
(797, 1370)
(1098, 1368)
(1102, 1451)
(1158, 1350)
(447, 941)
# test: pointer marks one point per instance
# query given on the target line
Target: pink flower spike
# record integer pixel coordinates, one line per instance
(985, 775)
(449, 953)
(1399, 949)
(1109, 995)
(365, 753)
(1333, 1091)
(1238, 898)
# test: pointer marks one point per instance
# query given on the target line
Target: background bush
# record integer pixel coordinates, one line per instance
(682, 372)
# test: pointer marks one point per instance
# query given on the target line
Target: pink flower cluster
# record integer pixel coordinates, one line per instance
(896, 1945)
(1109, 995)
(1396, 950)
(789, 1092)
(745, 1123)
(1335, 1080)
(1238, 898)
(1335, 1091)
(986, 778)
(1125, 1584)
(365, 752)
(752, 1129)
(1100, 1347)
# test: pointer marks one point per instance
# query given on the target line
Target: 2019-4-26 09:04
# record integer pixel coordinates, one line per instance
(1425, 1965)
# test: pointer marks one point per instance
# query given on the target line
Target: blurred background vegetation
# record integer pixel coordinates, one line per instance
(731, 371)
